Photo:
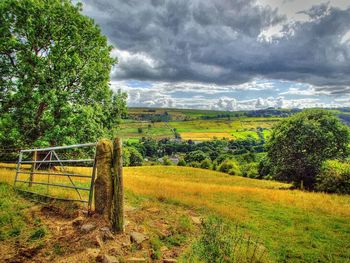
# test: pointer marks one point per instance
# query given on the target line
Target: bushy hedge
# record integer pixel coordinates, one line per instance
(230, 167)
(206, 164)
(334, 177)
(250, 170)
(131, 157)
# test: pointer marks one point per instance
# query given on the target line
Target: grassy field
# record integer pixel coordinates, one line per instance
(294, 226)
(199, 130)
(202, 125)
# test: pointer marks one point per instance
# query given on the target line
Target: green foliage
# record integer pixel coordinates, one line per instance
(181, 162)
(230, 167)
(126, 157)
(195, 164)
(206, 164)
(195, 156)
(301, 143)
(12, 220)
(179, 231)
(156, 245)
(334, 177)
(167, 161)
(38, 233)
(136, 158)
(54, 76)
(250, 170)
(264, 168)
(221, 243)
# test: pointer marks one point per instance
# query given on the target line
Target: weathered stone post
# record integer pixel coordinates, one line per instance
(117, 212)
(109, 191)
(104, 184)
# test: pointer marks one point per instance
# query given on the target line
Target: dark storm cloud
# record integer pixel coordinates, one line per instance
(221, 41)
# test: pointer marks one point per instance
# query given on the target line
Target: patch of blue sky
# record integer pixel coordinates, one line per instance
(133, 83)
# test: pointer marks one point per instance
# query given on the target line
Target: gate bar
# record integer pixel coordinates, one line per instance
(58, 174)
(58, 185)
(61, 161)
(61, 147)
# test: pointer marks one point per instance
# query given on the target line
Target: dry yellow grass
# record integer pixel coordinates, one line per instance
(198, 187)
(8, 175)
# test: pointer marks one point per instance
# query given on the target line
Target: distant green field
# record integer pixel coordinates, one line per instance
(197, 125)
(201, 125)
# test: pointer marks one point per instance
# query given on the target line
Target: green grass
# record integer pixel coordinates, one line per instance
(198, 129)
(15, 225)
(293, 226)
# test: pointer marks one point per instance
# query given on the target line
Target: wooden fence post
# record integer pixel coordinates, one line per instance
(32, 169)
(117, 212)
(103, 184)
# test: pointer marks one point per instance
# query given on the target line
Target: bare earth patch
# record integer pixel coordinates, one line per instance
(163, 232)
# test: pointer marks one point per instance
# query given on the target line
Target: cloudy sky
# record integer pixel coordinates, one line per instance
(228, 54)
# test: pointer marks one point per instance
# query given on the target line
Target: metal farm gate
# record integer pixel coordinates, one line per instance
(47, 161)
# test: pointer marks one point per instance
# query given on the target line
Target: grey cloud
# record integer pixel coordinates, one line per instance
(220, 41)
(317, 10)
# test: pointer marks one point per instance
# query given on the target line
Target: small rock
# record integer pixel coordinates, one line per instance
(136, 260)
(87, 228)
(109, 259)
(169, 260)
(78, 221)
(138, 238)
(106, 234)
(99, 241)
(196, 220)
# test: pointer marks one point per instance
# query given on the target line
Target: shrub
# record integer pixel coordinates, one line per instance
(126, 157)
(195, 156)
(215, 165)
(230, 166)
(167, 161)
(136, 158)
(181, 162)
(334, 177)
(205, 164)
(195, 164)
(250, 170)
(220, 242)
(264, 168)
(222, 157)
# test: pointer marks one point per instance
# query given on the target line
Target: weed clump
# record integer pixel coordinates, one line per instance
(222, 243)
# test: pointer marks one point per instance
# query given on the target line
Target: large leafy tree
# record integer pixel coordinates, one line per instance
(301, 143)
(54, 75)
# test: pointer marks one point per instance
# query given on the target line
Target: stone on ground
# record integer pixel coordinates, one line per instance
(87, 227)
(109, 259)
(137, 238)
